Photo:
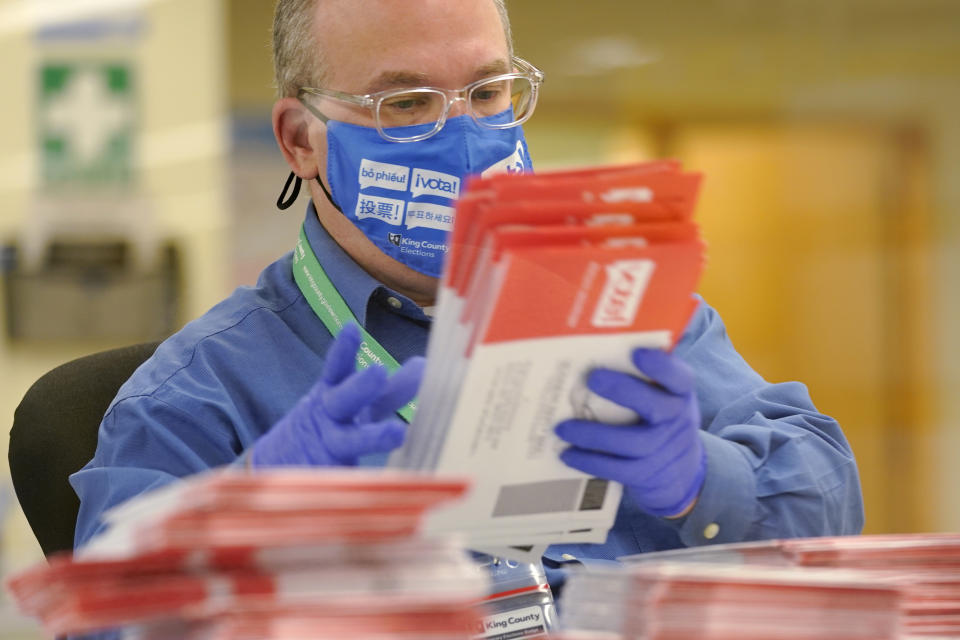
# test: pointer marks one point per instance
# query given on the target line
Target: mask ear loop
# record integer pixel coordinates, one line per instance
(329, 197)
(284, 204)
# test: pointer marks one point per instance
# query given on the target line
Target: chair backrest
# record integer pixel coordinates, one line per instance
(54, 434)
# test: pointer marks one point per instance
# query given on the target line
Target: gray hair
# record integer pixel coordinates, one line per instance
(295, 57)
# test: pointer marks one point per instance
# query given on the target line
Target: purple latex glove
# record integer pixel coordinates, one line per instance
(347, 413)
(659, 457)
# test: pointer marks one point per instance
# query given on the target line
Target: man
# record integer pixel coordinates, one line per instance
(716, 455)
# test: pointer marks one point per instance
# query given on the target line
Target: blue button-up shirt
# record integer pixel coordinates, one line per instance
(775, 466)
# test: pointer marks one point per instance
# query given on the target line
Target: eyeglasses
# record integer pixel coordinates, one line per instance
(395, 108)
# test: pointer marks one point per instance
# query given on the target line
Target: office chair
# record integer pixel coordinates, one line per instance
(54, 434)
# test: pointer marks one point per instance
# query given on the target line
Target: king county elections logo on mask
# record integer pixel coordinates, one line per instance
(86, 123)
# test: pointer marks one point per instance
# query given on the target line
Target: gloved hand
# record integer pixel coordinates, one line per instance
(347, 413)
(660, 457)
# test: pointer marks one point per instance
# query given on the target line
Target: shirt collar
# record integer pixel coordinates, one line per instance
(355, 285)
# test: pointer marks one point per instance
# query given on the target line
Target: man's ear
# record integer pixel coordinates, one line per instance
(291, 128)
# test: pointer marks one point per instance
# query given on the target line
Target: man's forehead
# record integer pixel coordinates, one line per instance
(371, 44)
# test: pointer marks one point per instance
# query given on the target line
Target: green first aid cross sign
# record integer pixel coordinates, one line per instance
(86, 120)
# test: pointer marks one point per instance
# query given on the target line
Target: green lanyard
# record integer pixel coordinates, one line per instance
(333, 311)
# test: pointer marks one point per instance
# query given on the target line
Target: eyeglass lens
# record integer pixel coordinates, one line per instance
(422, 106)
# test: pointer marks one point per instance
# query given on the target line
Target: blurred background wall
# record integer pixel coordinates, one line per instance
(138, 176)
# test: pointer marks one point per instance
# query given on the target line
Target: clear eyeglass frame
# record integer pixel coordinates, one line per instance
(373, 101)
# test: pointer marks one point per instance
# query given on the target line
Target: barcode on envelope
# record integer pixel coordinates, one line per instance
(551, 496)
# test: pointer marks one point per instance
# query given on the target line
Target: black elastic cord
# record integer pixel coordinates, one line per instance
(297, 182)
(329, 197)
(285, 204)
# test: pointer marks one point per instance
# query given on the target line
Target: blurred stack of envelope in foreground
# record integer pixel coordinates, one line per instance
(687, 601)
(272, 554)
(874, 586)
(926, 567)
(547, 276)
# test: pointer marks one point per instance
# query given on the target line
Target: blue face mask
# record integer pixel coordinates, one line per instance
(402, 195)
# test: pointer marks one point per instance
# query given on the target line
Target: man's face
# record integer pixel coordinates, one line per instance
(373, 45)
(368, 46)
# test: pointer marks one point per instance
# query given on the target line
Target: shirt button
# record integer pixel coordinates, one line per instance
(567, 556)
(393, 302)
(711, 530)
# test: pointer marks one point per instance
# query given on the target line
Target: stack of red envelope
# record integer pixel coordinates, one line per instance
(689, 601)
(277, 554)
(548, 275)
(925, 567)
